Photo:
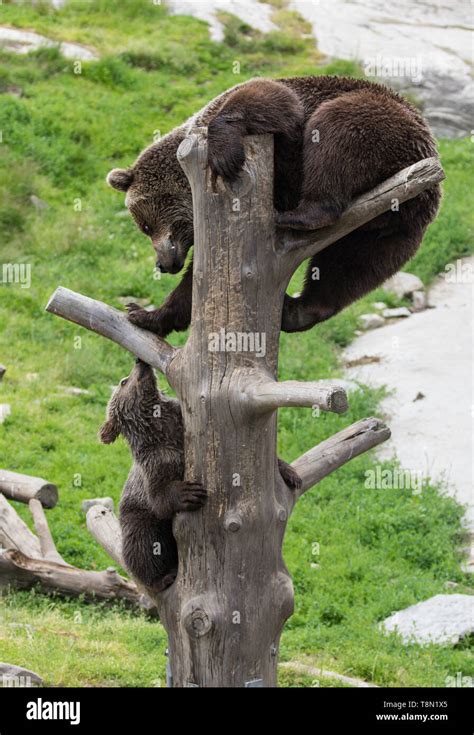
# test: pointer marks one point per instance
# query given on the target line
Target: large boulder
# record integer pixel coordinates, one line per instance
(441, 619)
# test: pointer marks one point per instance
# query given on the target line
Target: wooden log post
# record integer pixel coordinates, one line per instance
(24, 488)
(225, 612)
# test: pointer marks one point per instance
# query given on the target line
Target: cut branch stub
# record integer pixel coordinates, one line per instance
(270, 395)
(327, 456)
(24, 488)
(404, 185)
(113, 324)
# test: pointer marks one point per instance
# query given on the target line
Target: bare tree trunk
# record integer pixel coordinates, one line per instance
(225, 612)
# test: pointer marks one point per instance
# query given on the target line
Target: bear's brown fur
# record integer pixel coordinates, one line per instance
(153, 427)
(155, 490)
(334, 139)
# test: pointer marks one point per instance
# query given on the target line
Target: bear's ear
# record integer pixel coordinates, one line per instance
(120, 178)
(108, 432)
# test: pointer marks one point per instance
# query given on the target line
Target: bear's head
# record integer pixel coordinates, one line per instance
(159, 199)
(134, 409)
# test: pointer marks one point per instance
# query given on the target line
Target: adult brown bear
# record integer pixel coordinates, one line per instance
(334, 139)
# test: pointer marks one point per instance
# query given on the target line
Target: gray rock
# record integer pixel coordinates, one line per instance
(107, 502)
(38, 203)
(419, 300)
(379, 305)
(17, 676)
(403, 284)
(402, 311)
(5, 410)
(72, 391)
(441, 619)
(18, 41)
(371, 321)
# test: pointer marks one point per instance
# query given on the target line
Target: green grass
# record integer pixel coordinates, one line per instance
(379, 550)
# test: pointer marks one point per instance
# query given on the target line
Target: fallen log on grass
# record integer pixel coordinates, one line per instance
(23, 572)
(27, 561)
(24, 487)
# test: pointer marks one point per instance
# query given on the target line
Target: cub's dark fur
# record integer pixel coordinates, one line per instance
(334, 139)
(152, 425)
(155, 490)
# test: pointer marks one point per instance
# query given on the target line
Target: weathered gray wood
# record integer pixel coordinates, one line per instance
(13, 676)
(104, 526)
(113, 324)
(23, 572)
(329, 455)
(270, 395)
(47, 545)
(24, 487)
(225, 612)
(404, 185)
(14, 533)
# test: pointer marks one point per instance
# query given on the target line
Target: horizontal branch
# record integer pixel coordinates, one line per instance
(270, 395)
(331, 454)
(404, 185)
(112, 324)
(24, 487)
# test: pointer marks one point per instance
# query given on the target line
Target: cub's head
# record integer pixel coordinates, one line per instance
(133, 409)
(159, 199)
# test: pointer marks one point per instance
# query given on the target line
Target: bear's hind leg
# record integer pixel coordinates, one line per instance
(347, 270)
(149, 549)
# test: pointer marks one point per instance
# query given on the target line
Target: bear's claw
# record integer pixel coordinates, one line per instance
(191, 496)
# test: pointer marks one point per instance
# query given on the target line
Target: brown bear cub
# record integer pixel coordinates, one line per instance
(155, 490)
(335, 138)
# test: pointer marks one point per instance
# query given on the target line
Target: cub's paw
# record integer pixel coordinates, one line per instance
(290, 476)
(190, 496)
(166, 581)
(137, 315)
(153, 321)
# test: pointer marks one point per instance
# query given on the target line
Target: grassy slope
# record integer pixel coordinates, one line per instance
(380, 550)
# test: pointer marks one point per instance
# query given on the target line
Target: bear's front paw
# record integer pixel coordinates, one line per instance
(190, 496)
(137, 315)
(153, 321)
(225, 151)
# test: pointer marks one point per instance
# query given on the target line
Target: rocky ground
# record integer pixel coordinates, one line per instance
(426, 360)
